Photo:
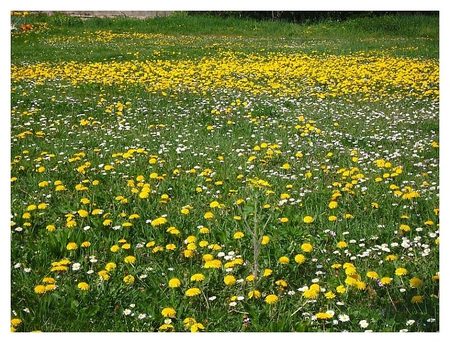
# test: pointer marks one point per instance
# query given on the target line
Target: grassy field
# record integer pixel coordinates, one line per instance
(193, 173)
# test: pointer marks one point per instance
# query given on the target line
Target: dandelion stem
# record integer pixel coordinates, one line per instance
(390, 298)
(206, 300)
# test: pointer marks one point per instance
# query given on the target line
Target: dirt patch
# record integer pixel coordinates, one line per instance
(113, 14)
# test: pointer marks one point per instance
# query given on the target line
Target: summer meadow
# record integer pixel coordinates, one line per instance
(223, 173)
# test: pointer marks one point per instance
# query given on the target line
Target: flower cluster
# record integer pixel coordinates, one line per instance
(234, 188)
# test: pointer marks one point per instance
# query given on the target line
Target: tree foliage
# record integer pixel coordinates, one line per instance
(308, 16)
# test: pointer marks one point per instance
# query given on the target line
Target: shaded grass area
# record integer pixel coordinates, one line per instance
(408, 35)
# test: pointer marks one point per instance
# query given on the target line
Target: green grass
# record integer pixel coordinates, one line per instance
(213, 116)
(414, 36)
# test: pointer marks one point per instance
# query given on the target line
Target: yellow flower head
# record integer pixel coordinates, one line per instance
(306, 247)
(39, 289)
(372, 275)
(130, 259)
(283, 260)
(271, 299)
(386, 280)
(267, 272)
(310, 294)
(342, 245)
(333, 204)
(299, 258)
(265, 240)
(198, 277)
(192, 292)
(255, 294)
(83, 286)
(128, 279)
(168, 312)
(174, 283)
(415, 282)
(229, 280)
(400, 271)
(72, 246)
(323, 315)
(417, 299)
(308, 219)
(238, 235)
(16, 322)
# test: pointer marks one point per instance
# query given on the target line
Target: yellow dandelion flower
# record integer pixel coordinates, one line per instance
(330, 295)
(192, 292)
(103, 274)
(49, 280)
(400, 271)
(207, 257)
(372, 275)
(204, 230)
(208, 215)
(50, 228)
(333, 204)
(361, 285)
(323, 315)
(315, 287)
(417, 299)
(350, 270)
(229, 280)
(350, 281)
(283, 260)
(158, 221)
(72, 246)
(415, 282)
(306, 247)
(83, 286)
(166, 327)
(115, 248)
(391, 258)
(265, 240)
(271, 299)
(130, 259)
(157, 249)
(405, 228)
(16, 322)
(197, 327)
(189, 321)
(110, 266)
(238, 235)
(174, 283)
(213, 264)
(340, 289)
(39, 289)
(198, 277)
(267, 272)
(308, 219)
(254, 294)
(310, 294)
(250, 278)
(385, 280)
(168, 312)
(128, 279)
(188, 253)
(83, 213)
(342, 245)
